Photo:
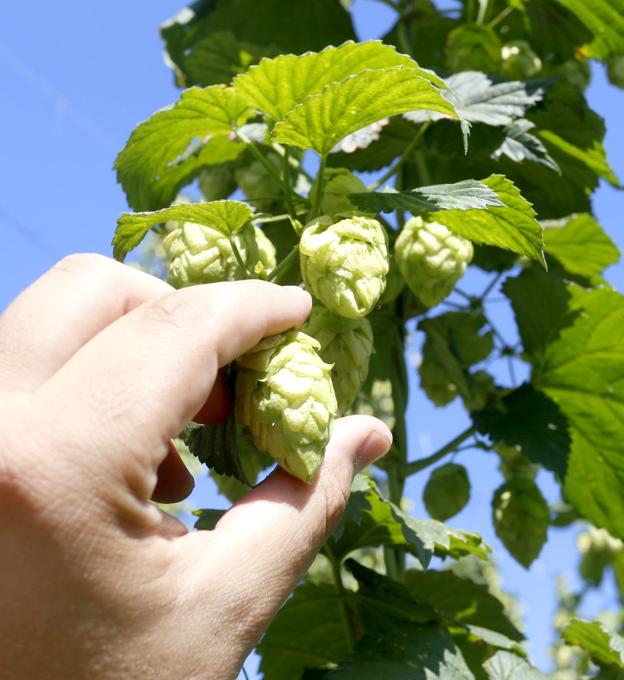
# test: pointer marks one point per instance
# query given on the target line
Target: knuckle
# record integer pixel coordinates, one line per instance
(84, 263)
(174, 309)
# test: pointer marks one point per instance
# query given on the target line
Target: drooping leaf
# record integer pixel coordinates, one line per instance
(322, 120)
(520, 144)
(461, 600)
(508, 666)
(583, 372)
(225, 216)
(276, 86)
(466, 195)
(541, 306)
(533, 423)
(447, 491)
(308, 632)
(371, 520)
(605, 19)
(512, 226)
(207, 518)
(603, 646)
(454, 341)
(581, 245)
(168, 149)
(478, 99)
(521, 517)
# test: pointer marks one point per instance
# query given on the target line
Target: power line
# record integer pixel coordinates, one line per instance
(30, 235)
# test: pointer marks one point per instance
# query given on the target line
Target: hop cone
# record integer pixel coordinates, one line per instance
(519, 60)
(344, 264)
(348, 345)
(431, 259)
(216, 182)
(284, 395)
(200, 254)
(258, 185)
(338, 184)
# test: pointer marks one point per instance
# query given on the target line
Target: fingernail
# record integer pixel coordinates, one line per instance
(375, 446)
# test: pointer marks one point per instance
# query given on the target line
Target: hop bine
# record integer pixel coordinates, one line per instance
(200, 254)
(284, 395)
(344, 264)
(337, 185)
(348, 345)
(431, 259)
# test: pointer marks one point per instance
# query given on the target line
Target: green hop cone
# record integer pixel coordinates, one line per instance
(519, 60)
(199, 254)
(447, 491)
(431, 259)
(217, 182)
(259, 186)
(473, 47)
(348, 345)
(338, 183)
(284, 395)
(344, 264)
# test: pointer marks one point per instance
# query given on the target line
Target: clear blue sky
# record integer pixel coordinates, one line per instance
(76, 78)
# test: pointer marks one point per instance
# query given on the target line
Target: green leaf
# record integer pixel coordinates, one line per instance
(454, 341)
(371, 520)
(168, 149)
(276, 86)
(521, 145)
(521, 517)
(580, 244)
(405, 652)
(512, 226)
(447, 492)
(603, 646)
(458, 599)
(308, 632)
(507, 666)
(207, 519)
(583, 371)
(225, 216)
(466, 195)
(215, 446)
(322, 120)
(289, 26)
(541, 305)
(478, 99)
(532, 423)
(605, 19)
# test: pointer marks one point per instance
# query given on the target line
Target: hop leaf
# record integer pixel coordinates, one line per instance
(200, 254)
(338, 183)
(615, 70)
(447, 491)
(284, 395)
(344, 264)
(348, 345)
(431, 259)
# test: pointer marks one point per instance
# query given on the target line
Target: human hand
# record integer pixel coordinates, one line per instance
(100, 366)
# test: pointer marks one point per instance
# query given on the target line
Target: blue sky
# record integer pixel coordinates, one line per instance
(77, 78)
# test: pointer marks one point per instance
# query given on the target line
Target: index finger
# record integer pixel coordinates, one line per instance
(138, 382)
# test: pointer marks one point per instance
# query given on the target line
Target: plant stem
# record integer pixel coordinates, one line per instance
(423, 169)
(403, 157)
(483, 8)
(316, 208)
(421, 464)
(502, 15)
(239, 258)
(344, 608)
(287, 188)
(275, 274)
(268, 166)
(490, 286)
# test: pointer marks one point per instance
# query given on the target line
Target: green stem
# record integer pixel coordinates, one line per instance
(287, 187)
(423, 168)
(484, 5)
(502, 15)
(491, 285)
(275, 274)
(268, 166)
(316, 208)
(422, 463)
(402, 158)
(344, 608)
(239, 258)
(403, 38)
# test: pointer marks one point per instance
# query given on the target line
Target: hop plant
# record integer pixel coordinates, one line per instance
(348, 345)
(216, 182)
(519, 60)
(337, 185)
(615, 70)
(259, 186)
(431, 259)
(200, 254)
(344, 264)
(284, 395)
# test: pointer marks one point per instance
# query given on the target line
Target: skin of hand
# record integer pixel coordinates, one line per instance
(100, 366)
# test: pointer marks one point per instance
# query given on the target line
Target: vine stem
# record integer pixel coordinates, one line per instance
(502, 15)
(483, 8)
(239, 258)
(274, 274)
(268, 166)
(422, 463)
(403, 157)
(342, 592)
(287, 187)
(491, 284)
(316, 209)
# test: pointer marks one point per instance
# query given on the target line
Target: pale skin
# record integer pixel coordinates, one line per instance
(100, 366)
